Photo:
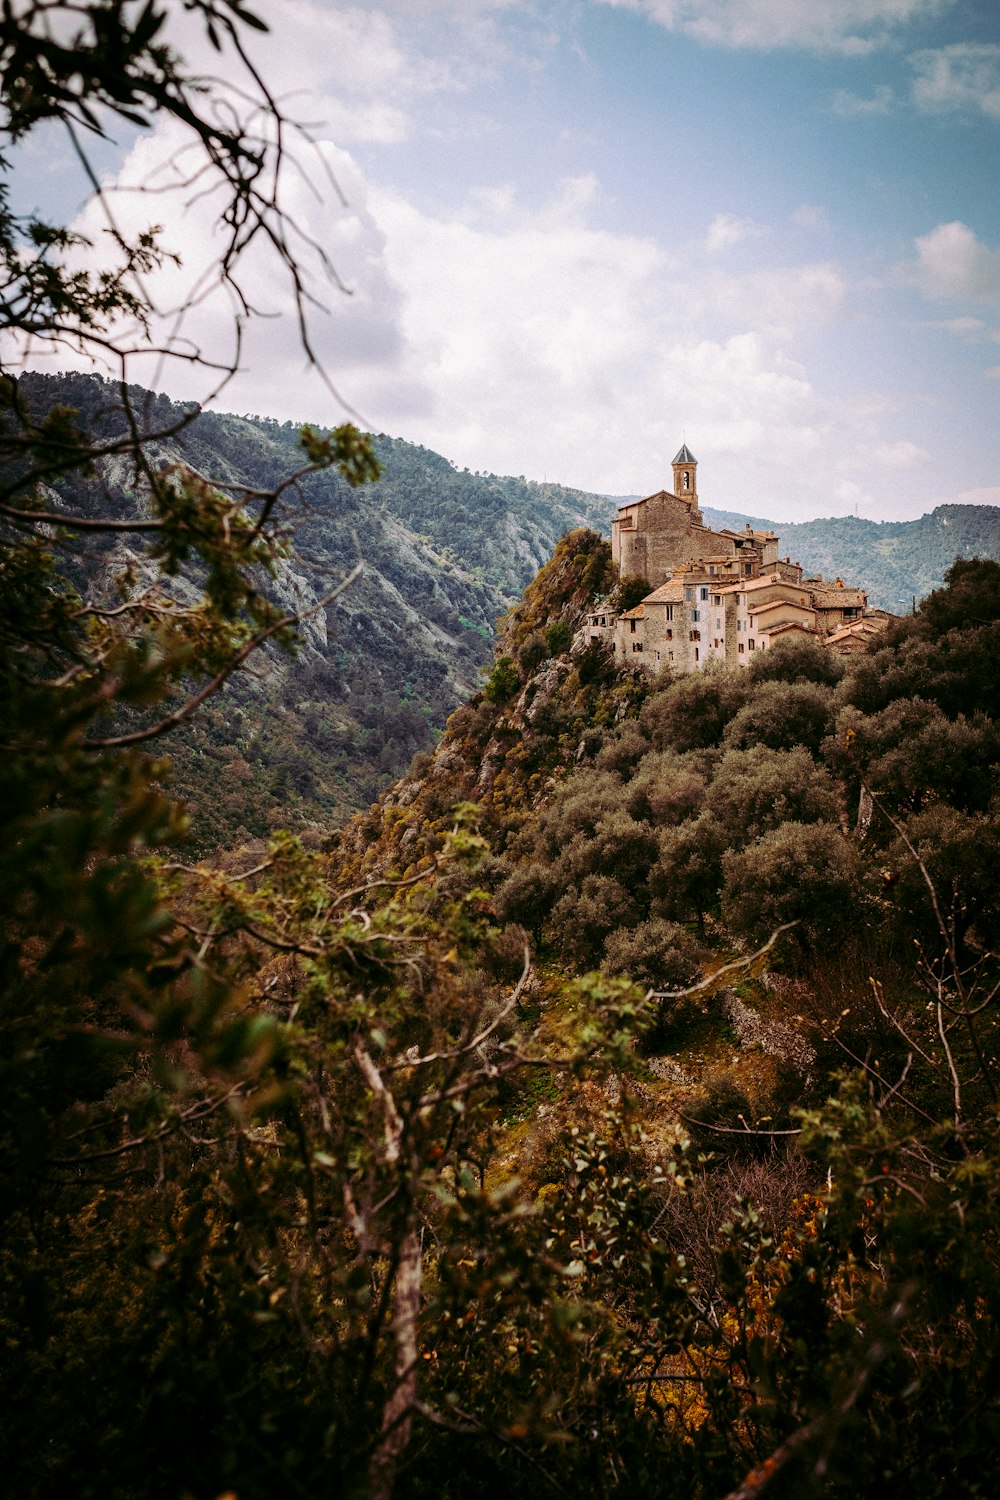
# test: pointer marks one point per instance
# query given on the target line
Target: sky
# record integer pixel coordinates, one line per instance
(575, 233)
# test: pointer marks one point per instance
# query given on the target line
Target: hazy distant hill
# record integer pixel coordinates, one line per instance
(894, 560)
(445, 553)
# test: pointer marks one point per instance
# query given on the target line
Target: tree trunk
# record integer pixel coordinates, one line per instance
(397, 1415)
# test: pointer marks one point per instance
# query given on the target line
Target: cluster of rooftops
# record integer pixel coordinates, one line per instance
(717, 595)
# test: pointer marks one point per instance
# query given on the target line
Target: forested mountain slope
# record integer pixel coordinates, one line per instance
(519, 1131)
(444, 553)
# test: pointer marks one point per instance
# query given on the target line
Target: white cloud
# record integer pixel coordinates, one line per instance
(354, 329)
(847, 27)
(778, 301)
(896, 456)
(811, 216)
(727, 230)
(970, 329)
(963, 76)
(952, 263)
(557, 348)
(852, 106)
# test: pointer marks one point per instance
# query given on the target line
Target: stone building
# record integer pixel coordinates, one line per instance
(649, 537)
(716, 595)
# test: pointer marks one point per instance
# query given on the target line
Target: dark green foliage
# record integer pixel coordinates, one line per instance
(503, 681)
(666, 789)
(624, 750)
(971, 596)
(527, 897)
(782, 715)
(759, 789)
(558, 636)
(796, 660)
(692, 713)
(961, 852)
(910, 753)
(684, 883)
(795, 872)
(595, 665)
(657, 954)
(587, 913)
(628, 592)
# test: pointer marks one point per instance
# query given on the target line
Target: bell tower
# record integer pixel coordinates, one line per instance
(686, 476)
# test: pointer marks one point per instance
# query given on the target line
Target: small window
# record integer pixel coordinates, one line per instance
(670, 656)
(669, 634)
(717, 600)
(696, 653)
(696, 614)
(632, 626)
(750, 644)
(741, 648)
(636, 645)
(670, 611)
(703, 594)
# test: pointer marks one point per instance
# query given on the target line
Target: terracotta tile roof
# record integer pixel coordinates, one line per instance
(765, 608)
(671, 592)
(834, 598)
(793, 625)
(862, 627)
(768, 581)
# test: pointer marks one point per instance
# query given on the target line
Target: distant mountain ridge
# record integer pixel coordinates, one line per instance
(895, 561)
(445, 553)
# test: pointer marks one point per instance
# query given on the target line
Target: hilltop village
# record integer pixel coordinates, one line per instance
(717, 595)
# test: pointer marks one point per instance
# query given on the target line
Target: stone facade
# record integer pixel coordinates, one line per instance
(716, 595)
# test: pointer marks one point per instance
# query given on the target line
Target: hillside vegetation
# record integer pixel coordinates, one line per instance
(310, 738)
(611, 1109)
(305, 741)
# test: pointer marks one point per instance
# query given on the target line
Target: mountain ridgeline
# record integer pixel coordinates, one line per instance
(897, 562)
(308, 740)
(312, 738)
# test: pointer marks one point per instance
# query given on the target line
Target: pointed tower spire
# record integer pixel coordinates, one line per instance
(686, 475)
